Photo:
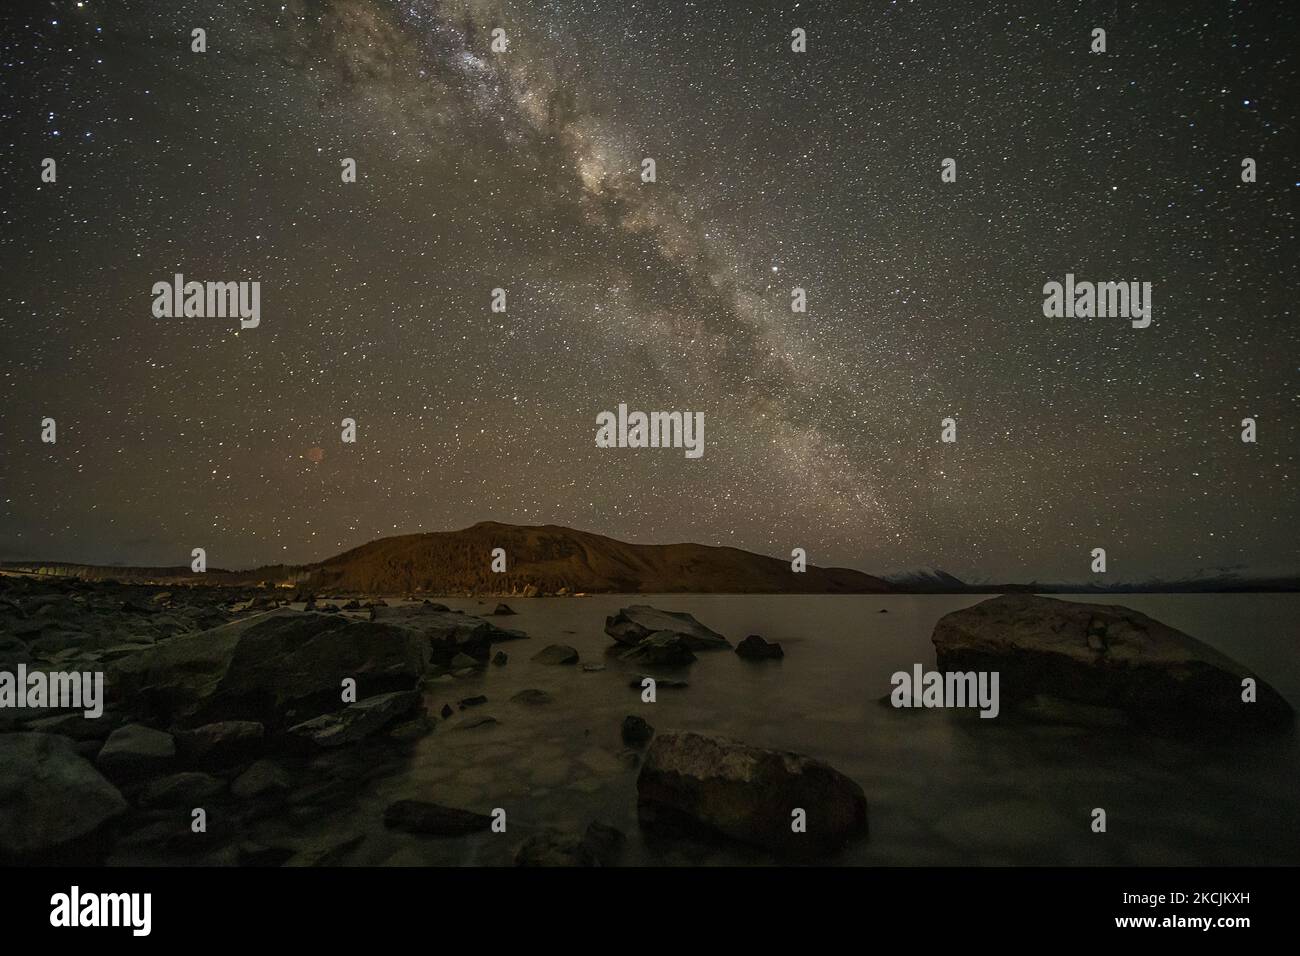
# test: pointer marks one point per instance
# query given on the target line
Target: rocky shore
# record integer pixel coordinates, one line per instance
(237, 720)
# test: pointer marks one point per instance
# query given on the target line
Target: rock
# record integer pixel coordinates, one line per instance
(226, 740)
(599, 846)
(422, 816)
(448, 632)
(882, 611)
(187, 789)
(277, 669)
(499, 658)
(754, 648)
(134, 750)
(631, 625)
(412, 729)
(531, 695)
(353, 605)
(1104, 656)
(664, 648)
(263, 778)
(446, 711)
(76, 725)
(1053, 710)
(557, 654)
(258, 854)
(473, 701)
(705, 783)
(50, 797)
(636, 730)
(331, 853)
(357, 721)
(502, 610)
(473, 721)
(593, 668)
(463, 661)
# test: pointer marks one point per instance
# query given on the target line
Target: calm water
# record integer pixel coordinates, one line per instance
(942, 787)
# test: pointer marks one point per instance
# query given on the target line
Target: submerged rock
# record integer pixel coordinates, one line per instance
(531, 695)
(636, 730)
(754, 648)
(1105, 656)
(631, 625)
(50, 797)
(708, 784)
(423, 816)
(599, 846)
(557, 654)
(638, 682)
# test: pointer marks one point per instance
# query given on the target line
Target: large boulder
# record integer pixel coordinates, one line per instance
(276, 669)
(1105, 656)
(50, 796)
(448, 632)
(632, 625)
(705, 783)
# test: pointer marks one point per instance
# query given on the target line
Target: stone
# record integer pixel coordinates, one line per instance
(1106, 656)
(357, 721)
(754, 648)
(474, 721)
(51, 798)
(531, 695)
(704, 783)
(557, 654)
(263, 778)
(277, 669)
(502, 610)
(664, 648)
(188, 789)
(226, 740)
(134, 750)
(599, 846)
(636, 730)
(633, 624)
(433, 819)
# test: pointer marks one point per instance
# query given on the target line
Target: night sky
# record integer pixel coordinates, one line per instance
(775, 169)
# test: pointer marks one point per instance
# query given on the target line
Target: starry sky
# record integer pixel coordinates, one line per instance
(775, 169)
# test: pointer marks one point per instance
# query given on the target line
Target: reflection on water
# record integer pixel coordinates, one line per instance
(943, 787)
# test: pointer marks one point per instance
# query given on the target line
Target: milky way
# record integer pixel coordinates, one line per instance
(521, 170)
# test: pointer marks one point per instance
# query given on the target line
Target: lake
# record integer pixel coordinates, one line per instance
(943, 787)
